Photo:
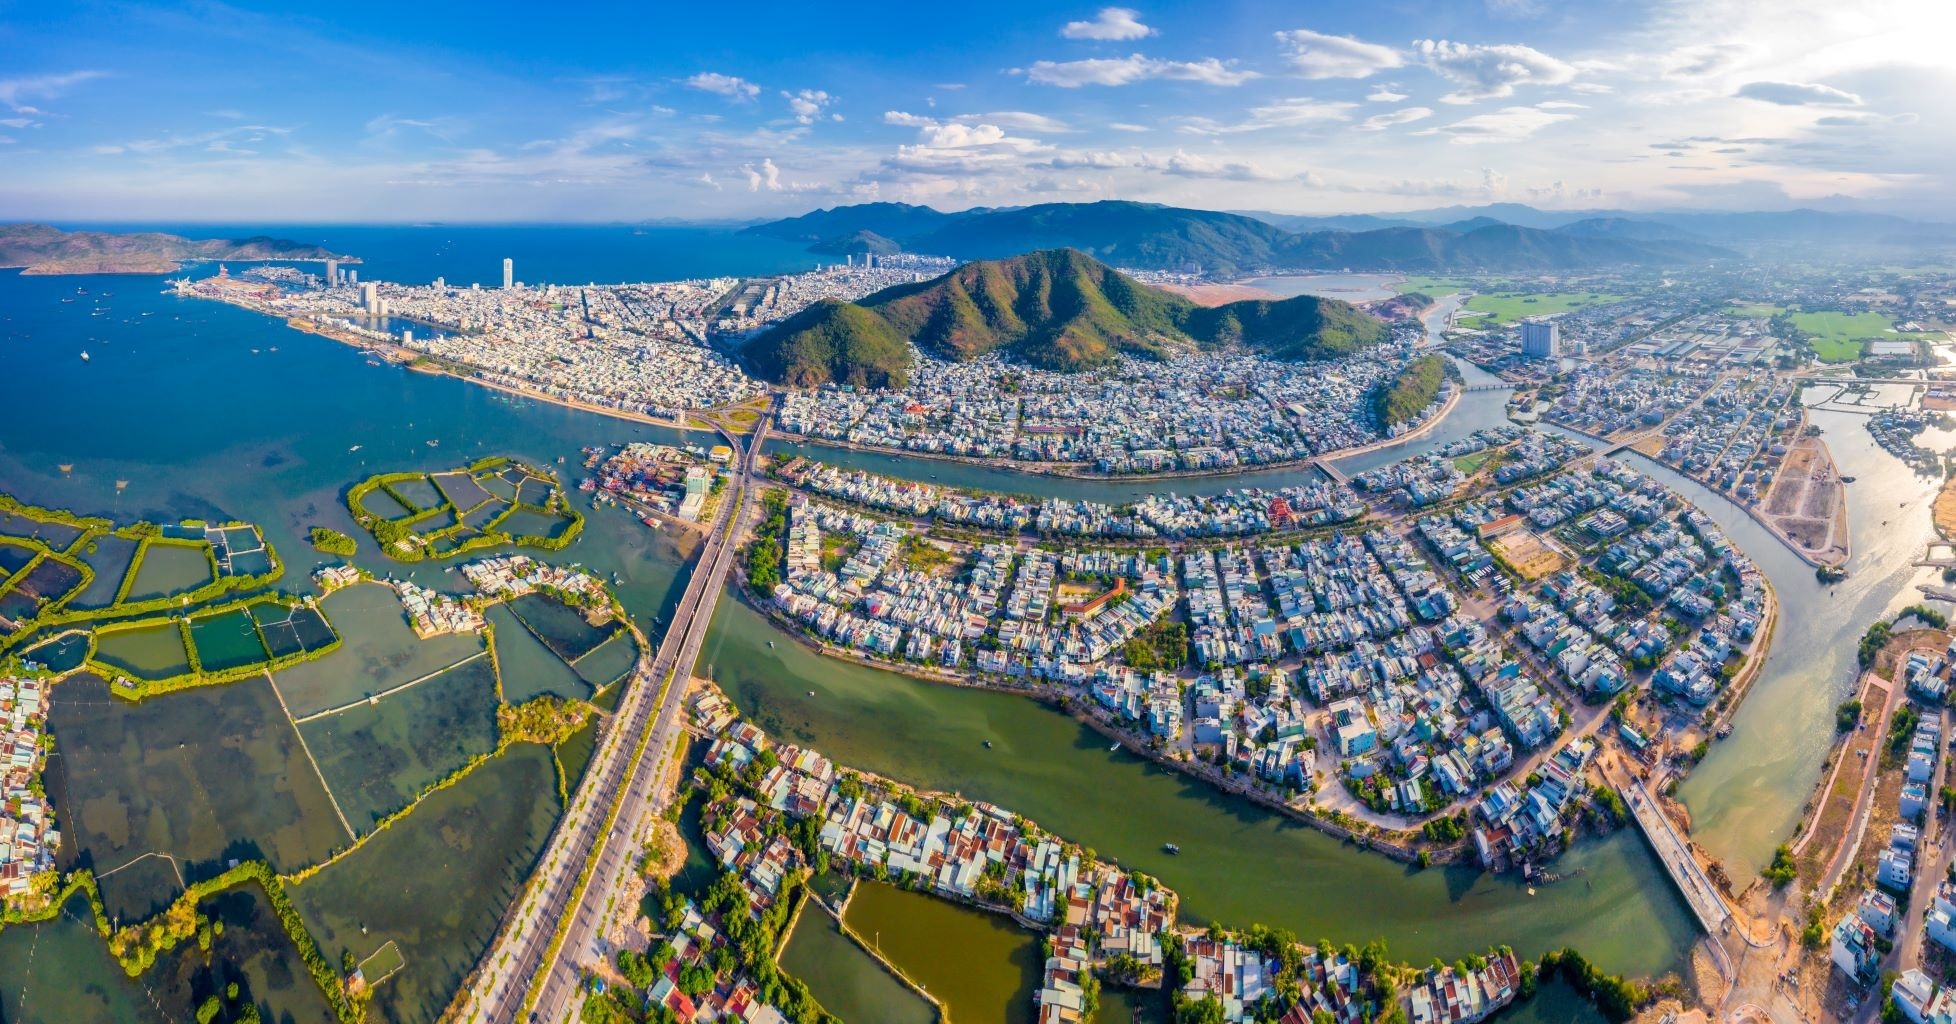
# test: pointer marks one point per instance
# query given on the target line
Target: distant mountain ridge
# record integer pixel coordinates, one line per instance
(1057, 309)
(1151, 236)
(42, 249)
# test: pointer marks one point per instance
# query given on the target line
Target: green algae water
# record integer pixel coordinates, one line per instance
(994, 973)
(845, 978)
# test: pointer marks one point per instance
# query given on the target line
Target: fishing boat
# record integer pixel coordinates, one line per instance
(1111, 747)
(84, 355)
(355, 448)
(770, 645)
(988, 744)
(1171, 848)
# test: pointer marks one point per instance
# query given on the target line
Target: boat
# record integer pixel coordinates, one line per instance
(988, 744)
(1171, 848)
(355, 448)
(811, 693)
(84, 355)
(1111, 747)
(1847, 479)
(770, 645)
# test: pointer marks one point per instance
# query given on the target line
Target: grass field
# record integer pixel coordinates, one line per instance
(384, 962)
(1471, 464)
(1755, 310)
(1507, 307)
(1837, 336)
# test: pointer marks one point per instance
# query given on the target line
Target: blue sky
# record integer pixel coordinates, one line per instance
(487, 111)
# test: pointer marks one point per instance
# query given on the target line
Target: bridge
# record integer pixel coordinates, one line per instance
(619, 788)
(1685, 871)
(1501, 386)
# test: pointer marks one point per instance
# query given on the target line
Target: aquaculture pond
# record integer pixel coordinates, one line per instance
(609, 661)
(845, 978)
(60, 972)
(563, 629)
(379, 652)
(528, 668)
(110, 563)
(146, 652)
(55, 535)
(227, 640)
(203, 775)
(170, 569)
(996, 969)
(437, 881)
(378, 757)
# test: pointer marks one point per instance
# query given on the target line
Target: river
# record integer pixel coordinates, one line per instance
(196, 412)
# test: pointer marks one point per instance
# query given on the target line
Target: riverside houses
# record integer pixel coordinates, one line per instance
(1233, 513)
(28, 838)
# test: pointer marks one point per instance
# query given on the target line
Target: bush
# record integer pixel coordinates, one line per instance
(1782, 870)
(333, 542)
(1847, 716)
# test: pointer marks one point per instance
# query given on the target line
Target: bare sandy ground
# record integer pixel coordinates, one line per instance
(1217, 294)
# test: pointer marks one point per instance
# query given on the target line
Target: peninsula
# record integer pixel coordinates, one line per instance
(42, 249)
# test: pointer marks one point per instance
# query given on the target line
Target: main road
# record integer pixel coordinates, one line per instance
(522, 958)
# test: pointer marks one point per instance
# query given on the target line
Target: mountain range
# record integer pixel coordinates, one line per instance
(42, 249)
(1151, 236)
(1057, 309)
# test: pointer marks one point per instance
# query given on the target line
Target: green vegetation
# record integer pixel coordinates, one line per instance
(548, 720)
(1872, 642)
(1837, 337)
(1615, 997)
(1411, 392)
(1507, 307)
(1163, 646)
(764, 551)
(1057, 309)
(1847, 716)
(1929, 616)
(333, 542)
(921, 556)
(198, 674)
(1783, 869)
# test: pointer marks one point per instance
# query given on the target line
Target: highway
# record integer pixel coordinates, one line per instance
(520, 957)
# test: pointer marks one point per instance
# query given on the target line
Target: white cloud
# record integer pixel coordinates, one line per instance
(17, 122)
(767, 176)
(1112, 23)
(1385, 94)
(807, 104)
(14, 92)
(1504, 125)
(1123, 126)
(1379, 122)
(1290, 113)
(1017, 120)
(1798, 94)
(1317, 55)
(706, 178)
(1072, 74)
(964, 149)
(730, 86)
(1490, 72)
(1188, 165)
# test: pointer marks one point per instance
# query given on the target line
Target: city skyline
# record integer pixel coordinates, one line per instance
(228, 113)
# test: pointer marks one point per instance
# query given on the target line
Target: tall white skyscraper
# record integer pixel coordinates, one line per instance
(332, 273)
(1540, 339)
(509, 273)
(370, 294)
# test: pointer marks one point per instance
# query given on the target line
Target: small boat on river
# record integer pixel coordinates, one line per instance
(1171, 848)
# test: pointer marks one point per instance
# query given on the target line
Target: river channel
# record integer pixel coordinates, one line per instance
(204, 410)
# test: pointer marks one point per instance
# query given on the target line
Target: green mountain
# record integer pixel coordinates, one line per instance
(1150, 236)
(1056, 309)
(862, 241)
(832, 341)
(48, 250)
